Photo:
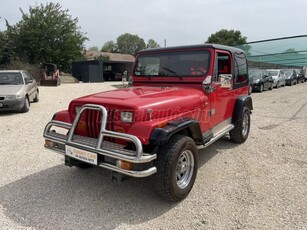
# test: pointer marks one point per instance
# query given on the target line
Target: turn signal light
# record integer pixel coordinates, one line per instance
(48, 144)
(124, 165)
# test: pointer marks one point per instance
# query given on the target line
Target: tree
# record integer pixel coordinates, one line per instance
(8, 45)
(109, 46)
(93, 48)
(130, 44)
(227, 37)
(152, 44)
(49, 34)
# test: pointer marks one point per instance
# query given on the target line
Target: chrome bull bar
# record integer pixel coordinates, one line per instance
(97, 146)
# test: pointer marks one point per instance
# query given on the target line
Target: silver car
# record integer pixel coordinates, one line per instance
(17, 89)
(279, 77)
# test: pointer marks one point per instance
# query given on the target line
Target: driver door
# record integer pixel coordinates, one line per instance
(221, 99)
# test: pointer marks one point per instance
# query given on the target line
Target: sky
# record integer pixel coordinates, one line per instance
(176, 22)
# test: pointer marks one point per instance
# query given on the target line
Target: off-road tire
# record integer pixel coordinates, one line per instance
(240, 132)
(26, 105)
(170, 181)
(271, 88)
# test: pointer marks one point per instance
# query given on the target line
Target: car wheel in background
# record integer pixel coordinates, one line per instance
(261, 88)
(36, 98)
(26, 105)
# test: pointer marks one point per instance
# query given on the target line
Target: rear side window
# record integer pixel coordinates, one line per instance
(240, 68)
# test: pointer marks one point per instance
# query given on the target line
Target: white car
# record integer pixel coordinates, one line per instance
(17, 89)
(279, 77)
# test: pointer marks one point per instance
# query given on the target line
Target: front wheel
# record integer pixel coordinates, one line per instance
(176, 168)
(26, 105)
(261, 88)
(240, 132)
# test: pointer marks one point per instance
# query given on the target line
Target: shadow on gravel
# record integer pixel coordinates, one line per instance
(63, 197)
(7, 113)
(222, 144)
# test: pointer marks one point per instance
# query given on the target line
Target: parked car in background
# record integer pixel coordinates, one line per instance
(291, 77)
(250, 84)
(17, 89)
(262, 80)
(300, 76)
(278, 77)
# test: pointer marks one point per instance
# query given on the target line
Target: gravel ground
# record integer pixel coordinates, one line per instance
(261, 184)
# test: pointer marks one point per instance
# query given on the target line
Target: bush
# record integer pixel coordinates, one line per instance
(34, 70)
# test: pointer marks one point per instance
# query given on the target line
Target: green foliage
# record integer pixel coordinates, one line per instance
(7, 45)
(227, 37)
(48, 34)
(130, 44)
(109, 46)
(152, 44)
(93, 48)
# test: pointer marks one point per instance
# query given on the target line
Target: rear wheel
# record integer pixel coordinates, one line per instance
(36, 98)
(240, 132)
(176, 168)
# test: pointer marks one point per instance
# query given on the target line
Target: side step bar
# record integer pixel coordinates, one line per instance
(217, 136)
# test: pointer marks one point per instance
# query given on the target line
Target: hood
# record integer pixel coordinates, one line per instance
(161, 101)
(10, 89)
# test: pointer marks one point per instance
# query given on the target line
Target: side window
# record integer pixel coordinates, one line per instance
(223, 65)
(240, 68)
(27, 77)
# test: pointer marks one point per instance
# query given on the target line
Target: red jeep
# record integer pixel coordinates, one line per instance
(182, 99)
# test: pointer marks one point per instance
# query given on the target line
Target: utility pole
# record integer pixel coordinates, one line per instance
(164, 42)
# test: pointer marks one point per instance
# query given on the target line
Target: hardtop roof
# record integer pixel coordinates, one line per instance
(200, 46)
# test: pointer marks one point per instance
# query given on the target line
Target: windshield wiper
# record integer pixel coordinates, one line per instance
(170, 71)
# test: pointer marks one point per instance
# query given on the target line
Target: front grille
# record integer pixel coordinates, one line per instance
(93, 122)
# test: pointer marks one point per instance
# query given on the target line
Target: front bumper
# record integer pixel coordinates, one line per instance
(256, 86)
(12, 104)
(109, 154)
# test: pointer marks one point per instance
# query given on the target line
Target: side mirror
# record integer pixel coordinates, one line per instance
(225, 80)
(206, 85)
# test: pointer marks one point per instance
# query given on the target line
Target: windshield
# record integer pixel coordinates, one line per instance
(11, 79)
(188, 63)
(273, 72)
(288, 73)
(254, 73)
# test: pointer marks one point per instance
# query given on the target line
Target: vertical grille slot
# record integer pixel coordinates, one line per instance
(93, 122)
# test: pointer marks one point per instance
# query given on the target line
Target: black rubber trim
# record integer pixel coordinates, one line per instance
(160, 136)
(241, 102)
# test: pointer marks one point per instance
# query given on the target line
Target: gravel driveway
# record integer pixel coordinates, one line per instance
(261, 184)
